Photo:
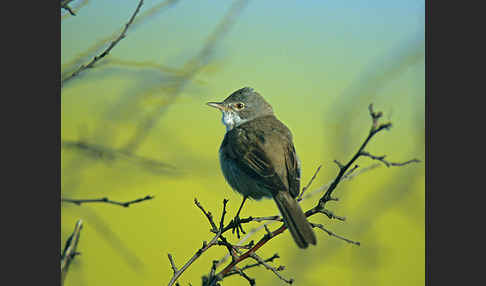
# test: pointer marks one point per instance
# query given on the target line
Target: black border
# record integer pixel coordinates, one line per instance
(31, 135)
(427, 143)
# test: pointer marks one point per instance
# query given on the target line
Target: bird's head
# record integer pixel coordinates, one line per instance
(242, 106)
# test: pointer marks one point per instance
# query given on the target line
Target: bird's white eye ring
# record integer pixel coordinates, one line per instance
(239, 105)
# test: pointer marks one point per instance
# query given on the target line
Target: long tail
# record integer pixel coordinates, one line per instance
(295, 219)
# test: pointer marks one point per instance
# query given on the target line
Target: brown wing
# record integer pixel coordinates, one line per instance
(264, 151)
(293, 170)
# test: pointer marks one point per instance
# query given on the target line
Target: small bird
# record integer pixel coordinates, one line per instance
(258, 159)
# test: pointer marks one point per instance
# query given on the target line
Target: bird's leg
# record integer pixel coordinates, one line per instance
(236, 221)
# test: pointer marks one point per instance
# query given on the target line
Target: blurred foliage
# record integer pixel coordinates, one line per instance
(137, 125)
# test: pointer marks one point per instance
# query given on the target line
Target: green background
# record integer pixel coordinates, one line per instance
(319, 63)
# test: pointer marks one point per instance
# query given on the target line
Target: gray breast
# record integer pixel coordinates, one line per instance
(240, 181)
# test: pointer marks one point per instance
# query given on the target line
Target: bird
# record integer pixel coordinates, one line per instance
(258, 159)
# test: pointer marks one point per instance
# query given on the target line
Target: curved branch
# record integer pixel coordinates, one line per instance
(107, 50)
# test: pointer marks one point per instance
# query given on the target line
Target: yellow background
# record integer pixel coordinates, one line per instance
(319, 63)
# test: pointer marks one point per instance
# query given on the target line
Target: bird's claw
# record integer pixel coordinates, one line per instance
(237, 226)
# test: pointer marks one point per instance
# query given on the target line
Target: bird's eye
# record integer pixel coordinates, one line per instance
(239, 106)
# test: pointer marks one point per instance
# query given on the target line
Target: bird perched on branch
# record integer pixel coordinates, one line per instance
(258, 159)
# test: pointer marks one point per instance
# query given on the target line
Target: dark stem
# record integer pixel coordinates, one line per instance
(107, 50)
(69, 251)
(241, 206)
(106, 200)
(204, 248)
(342, 169)
(299, 198)
(387, 163)
(65, 5)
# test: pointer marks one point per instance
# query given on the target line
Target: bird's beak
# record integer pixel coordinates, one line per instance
(218, 105)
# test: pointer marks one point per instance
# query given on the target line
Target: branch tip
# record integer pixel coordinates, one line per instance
(172, 263)
(107, 50)
(330, 233)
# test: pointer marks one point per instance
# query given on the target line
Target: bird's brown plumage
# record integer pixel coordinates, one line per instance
(258, 160)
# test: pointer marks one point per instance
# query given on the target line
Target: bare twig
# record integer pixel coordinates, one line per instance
(339, 164)
(172, 263)
(299, 198)
(271, 268)
(267, 230)
(208, 215)
(239, 271)
(388, 164)
(198, 253)
(65, 6)
(221, 223)
(266, 218)
(349, 176)
(107, 50)
(204, 248)
(350, 172)
(375, 128)
(328, 213)
(231, 249)
(247, 254)
(106, 200)
(73, 64)
(243, 274)
(74, 10)
(270, 259)
(320, 226)
(69, 251)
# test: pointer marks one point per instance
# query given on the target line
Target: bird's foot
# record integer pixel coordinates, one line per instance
(237, 226)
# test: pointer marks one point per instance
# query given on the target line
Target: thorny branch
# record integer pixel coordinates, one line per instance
(345, 172)
(107, 50)
(69, 251)
(106, 200)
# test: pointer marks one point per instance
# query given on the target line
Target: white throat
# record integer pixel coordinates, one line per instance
(231, 120)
